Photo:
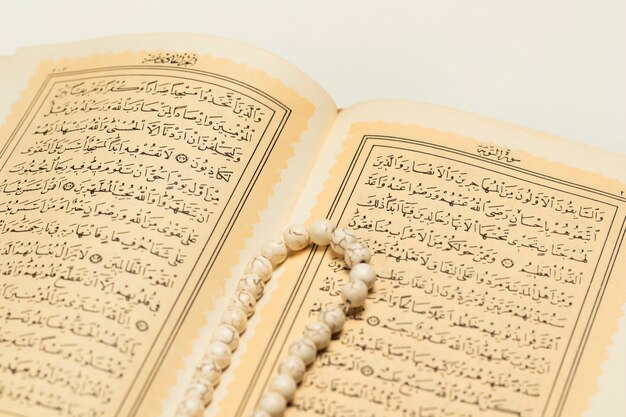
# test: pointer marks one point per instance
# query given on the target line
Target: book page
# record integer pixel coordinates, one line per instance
(500, 271)
(132, 173)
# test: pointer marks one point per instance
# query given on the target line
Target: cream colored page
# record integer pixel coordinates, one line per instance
(130, 183)
(500, 271)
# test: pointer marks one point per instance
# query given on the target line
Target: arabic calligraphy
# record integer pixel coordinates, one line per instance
(481, 276)
(105, 202)
(172, 58)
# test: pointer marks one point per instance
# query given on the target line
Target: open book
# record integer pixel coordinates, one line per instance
(138, 174)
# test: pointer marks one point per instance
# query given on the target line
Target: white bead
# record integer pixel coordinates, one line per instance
(275, 251)
(319, 333)
(321, 231)
(304, 349)
(244, 301)
(220, 353)
(259, 413)
(253, 284)
(235, 317)
(333, 317)
(341, 239)
(365, 273)
(296, 237)
(294, 367)
(284, 385)
(354, 293)
(261, 266)
(226, 334)
(193, 406)
(274, 403)
(357, 253)
(209, 372)
(202, 391)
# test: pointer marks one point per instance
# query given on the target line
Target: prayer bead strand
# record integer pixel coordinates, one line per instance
(316, 335)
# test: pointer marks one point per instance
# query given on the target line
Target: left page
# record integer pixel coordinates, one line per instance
(134, 173)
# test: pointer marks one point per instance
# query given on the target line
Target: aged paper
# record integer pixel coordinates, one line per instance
(124, 182)
(498, 291)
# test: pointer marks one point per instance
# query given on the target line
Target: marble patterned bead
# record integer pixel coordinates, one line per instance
(226, 334)
(253, 284)
(296, 237)
(334, 318)
(294, 367)
(274, 403)
(319, 333)
(275, 251)
(321, 231)
(209, 372)
(236, 318)
(192, 406)
(304, 349)
(354, 293)
(202, 391)
(244, 301)
(357, 253)
(341, 239)
(220, 353)
(363, 272)
(260, 266)
(284, 385)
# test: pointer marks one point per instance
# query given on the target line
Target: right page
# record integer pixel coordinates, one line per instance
(501, 275)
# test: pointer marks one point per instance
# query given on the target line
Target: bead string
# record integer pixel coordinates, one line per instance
(316, 335)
